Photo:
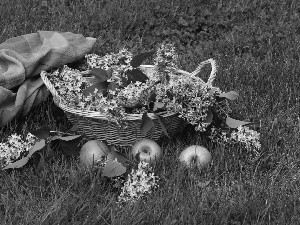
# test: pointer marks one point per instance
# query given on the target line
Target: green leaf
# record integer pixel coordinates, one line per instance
(166, 79)
(49, 153)
(235, 123)
(231, 95)
(68, 138)
(163, 124)
(203, 184)
(42, 132)
(17, 164)
(112, 86)
(146, 124)
(124, 82)
(99, 85)
(118, 155)
(113, 169)
(137, 157)
(109, 73)
(37, 146)
(158, 105)
(71, 147)
(41, 164)
(36, 159)
(152, 97)
(212, 90)
(100, 74)
(136, 75)
(74, 128)
(62, 128)
(209, 117)
(139, 59)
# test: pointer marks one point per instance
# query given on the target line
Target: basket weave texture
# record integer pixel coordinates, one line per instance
(96, 126)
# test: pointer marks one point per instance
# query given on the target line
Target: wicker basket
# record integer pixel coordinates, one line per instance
(97, 126)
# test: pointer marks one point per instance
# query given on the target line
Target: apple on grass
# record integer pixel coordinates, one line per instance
(149, 150)
(92, 151)
(195, 154)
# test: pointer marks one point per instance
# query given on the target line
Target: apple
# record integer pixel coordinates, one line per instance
(149, 150)
(195, 153)
(92, 151)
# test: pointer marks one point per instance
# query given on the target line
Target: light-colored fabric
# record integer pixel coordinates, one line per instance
(22, 59)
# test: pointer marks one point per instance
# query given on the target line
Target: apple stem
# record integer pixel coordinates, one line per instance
(194, 159)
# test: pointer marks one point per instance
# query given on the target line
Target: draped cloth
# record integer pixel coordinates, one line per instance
(22, 59)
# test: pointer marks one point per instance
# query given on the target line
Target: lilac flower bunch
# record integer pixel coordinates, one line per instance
(140, 182)
(14, 147)
(249, 139)
(119, 63)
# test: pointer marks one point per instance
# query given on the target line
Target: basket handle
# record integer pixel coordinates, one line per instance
(212, 73)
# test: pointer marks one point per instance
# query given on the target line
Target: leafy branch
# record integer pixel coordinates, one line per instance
(102, 76)
(68, 142)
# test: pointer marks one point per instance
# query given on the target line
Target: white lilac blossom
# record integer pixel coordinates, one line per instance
(220, 136)
(119, 63)
(12, 149)
(243, 135)
(250, 138)
(192, 104)
(139, 183)
(166, 57)
(122, 59)
(165, 63)
(134, 94)
(69, 83)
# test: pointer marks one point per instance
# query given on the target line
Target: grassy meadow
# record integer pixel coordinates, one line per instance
(256, 45)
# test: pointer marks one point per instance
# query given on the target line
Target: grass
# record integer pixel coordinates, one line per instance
(256, 44)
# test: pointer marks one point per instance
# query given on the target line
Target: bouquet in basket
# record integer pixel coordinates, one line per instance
(117, 85)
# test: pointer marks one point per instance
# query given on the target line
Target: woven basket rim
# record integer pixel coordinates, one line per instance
(93, 114)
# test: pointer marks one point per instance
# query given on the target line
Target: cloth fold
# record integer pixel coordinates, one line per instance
(22, 59)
